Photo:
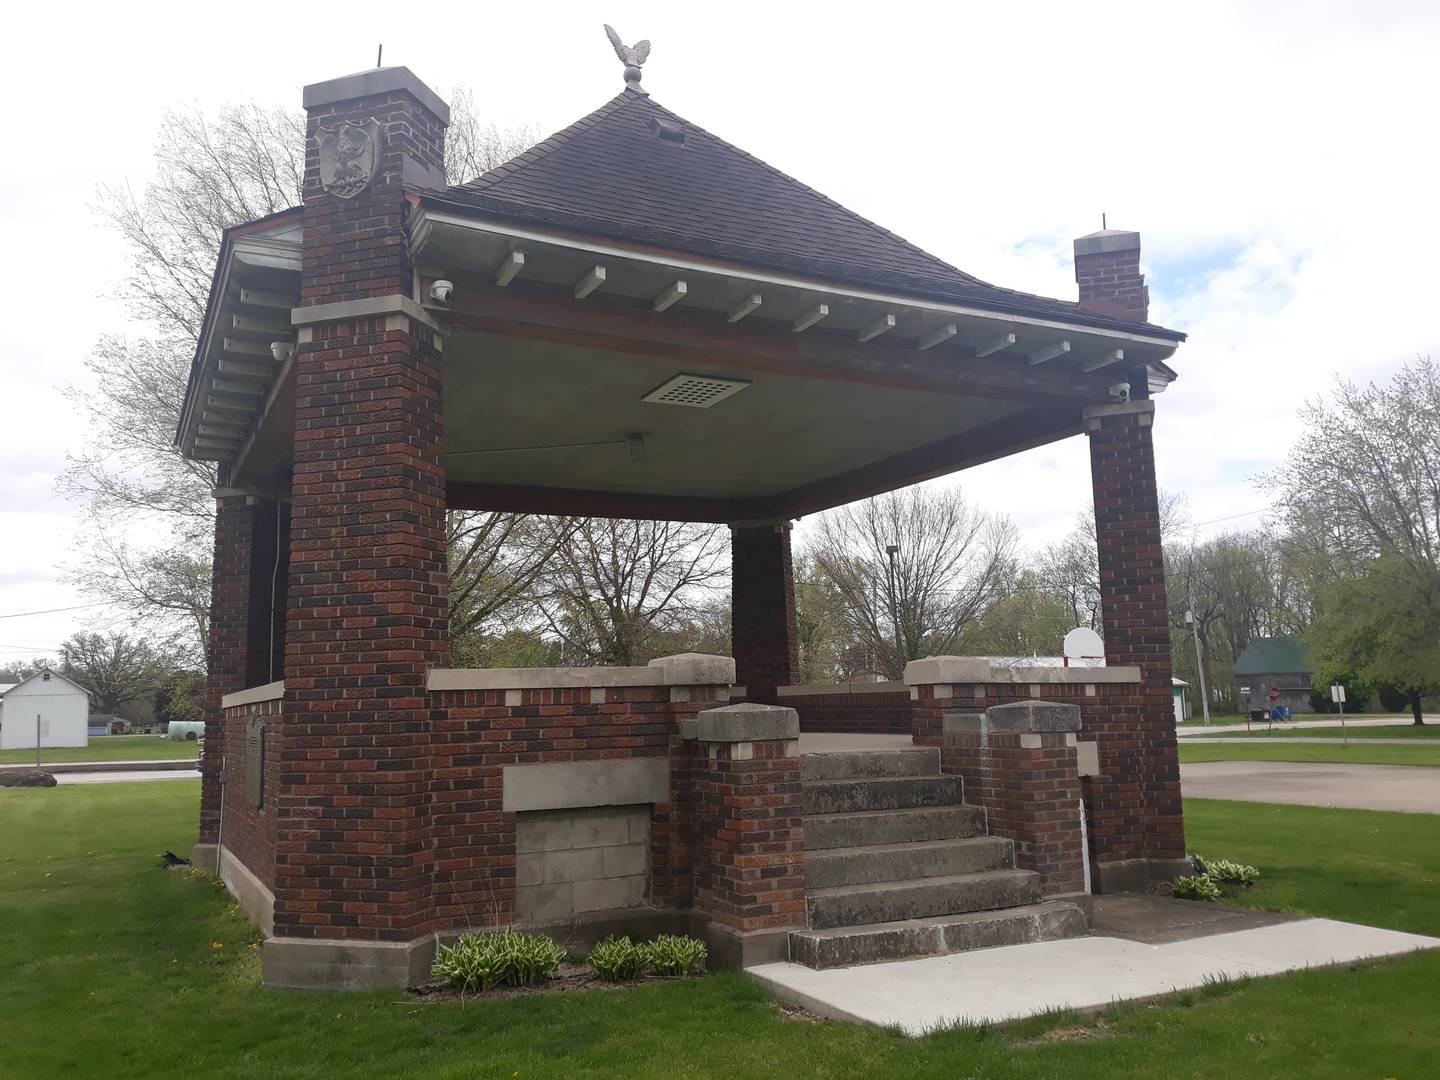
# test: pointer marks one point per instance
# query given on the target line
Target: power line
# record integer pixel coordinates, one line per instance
(52, 611)
(1232, 517)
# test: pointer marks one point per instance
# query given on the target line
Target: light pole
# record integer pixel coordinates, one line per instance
(891, 551)
(1199, 664)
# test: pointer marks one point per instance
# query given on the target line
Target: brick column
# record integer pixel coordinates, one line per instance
(749, 837)
(239, 632)
(1019, 762)
(367, 589)
(1137, 794)
(762, 610)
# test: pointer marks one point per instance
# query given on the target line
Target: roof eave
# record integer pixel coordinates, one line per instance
(522, 226)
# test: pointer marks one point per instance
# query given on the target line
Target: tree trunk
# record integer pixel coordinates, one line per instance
(1415, 708)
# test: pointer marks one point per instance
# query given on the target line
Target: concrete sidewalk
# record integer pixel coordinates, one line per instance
(1411, 789)
(1291, 725)
(116, 776)
(154, 765)
(993, 985)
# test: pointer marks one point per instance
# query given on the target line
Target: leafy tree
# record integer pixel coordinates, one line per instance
(616, 589)
(180, 696)
(115, 668)
(952, 561)
(1365, 477)
(1385, 627)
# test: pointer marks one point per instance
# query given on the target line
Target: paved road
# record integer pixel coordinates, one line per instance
(117, 777)
(1410, 788)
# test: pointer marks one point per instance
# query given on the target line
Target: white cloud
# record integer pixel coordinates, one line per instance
(1290, 141)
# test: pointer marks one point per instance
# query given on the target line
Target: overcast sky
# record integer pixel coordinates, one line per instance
(1279, 159)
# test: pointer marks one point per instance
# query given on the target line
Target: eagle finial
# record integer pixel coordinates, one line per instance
(632, 56)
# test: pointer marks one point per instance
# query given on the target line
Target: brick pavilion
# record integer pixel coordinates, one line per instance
(649, 323)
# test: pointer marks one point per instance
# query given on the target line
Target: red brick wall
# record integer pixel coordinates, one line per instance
(239, 636)
(1031, 795)
(1119, 810)
(356, 247)
(1140, 783)
(880, 713)
(249, 833)
(749, 835)
(1111, 282)
(367, 584)
(475, 735)
(762, 611)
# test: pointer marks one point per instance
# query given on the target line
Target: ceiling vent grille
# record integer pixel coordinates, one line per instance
(694, 391)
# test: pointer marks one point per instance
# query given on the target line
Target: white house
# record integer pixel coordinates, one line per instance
(62, 706)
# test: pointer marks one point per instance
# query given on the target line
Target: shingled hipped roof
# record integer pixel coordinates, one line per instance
(622, 173)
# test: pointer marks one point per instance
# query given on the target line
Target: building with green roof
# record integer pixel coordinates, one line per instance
(1278, 662)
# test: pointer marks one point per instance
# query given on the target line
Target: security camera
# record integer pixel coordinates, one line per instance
(442, 290)
(1120, 391)
(282, 351)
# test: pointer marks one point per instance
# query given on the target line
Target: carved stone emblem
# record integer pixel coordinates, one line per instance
(348, 156)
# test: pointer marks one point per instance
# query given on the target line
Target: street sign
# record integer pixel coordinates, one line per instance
(1337, 694)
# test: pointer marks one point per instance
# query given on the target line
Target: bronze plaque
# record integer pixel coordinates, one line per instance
(255, 761)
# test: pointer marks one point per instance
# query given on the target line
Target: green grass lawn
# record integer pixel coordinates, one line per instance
(1357, 753)
(116, 968)
(1366, 866)
(108, 748)
(1399, 731)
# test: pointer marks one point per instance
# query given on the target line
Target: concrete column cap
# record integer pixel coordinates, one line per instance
(695, 669)
(747, 722)
(937, 670)
(1032, 716)
(383, 80)
(1107, 240)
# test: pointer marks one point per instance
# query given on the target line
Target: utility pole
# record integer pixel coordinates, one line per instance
(892, 550)
(1199, 662)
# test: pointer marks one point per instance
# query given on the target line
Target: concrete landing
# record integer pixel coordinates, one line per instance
(1008, 983)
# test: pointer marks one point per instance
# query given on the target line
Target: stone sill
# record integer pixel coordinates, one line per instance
(269, 692)
(687, 669)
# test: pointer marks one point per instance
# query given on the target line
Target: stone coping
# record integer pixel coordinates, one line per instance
(809, 689)
(686, 669)
(1016, 717)
(372, 82)
(747, 722)
(943, 670)
(269, 692)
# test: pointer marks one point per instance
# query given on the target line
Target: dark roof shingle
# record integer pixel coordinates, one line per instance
(612, 174)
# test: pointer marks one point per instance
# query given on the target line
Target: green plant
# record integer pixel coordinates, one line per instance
(1196, 887)
(616, 959)
(1225, 871)
(480, 961)
(675, 955)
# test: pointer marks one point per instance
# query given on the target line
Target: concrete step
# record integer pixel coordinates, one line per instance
(893, 901)
(826, 831)
(885, 793)
(849, 945)
(870, 764)
(906, 862)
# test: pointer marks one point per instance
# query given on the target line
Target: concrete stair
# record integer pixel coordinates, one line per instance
(898, 866)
